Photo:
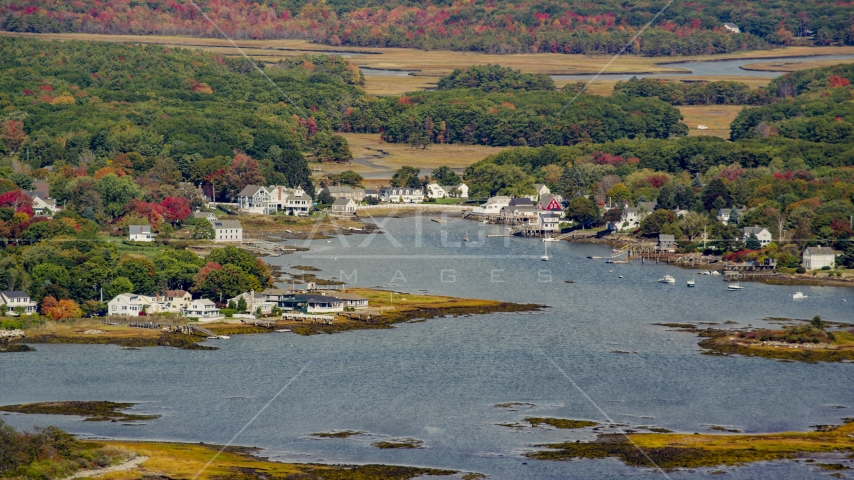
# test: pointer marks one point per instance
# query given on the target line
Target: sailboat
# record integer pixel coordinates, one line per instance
(466, 238)
(545, 256)
(690, 283)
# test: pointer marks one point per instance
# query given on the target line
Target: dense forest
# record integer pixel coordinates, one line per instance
(170, 114)
(694, 93)
(533, 118)
(498, 26)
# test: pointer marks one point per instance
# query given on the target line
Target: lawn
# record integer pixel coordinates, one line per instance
(716, 117)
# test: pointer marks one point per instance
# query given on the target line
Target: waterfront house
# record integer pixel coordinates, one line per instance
(372, 193)
(356, 194)
(307, 303)
(178, 299)
(254, 199)
(436, 191)
(254, 301)
(351, 300)
(140, 233)
(517, 214)
(548, 222)
(201, 308)
(227, 231)
(14, 301)
(344, 206)
(132, 305)
(492, 207)
(402, 195)
(818, 257)
(209, 216)
(666, 243)
(292, 201)
(762, 234)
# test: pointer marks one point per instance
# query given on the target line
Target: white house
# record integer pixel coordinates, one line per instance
(12, 299)
(344, 206)
(351, 300)
(42, 206)
(209, 216)
(549, 222)
(178, 299)
(372, 194)
(140, 233)
(228, 231)
(762, 234)
(402, 195)
(319, 304)
(731, 27)
(633, 216)
(254, 199)
(293, 201)
(201, 308)
(254, 301)
(492, 206)
(818, 257)
(434, 190)
(540, 189)
(132, 305)
(725, 213)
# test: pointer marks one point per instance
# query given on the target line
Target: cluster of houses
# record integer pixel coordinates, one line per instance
(541, 212)
(225, 231)
(265, 302)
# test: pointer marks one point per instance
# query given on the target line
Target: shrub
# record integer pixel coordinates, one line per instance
(801, 270)
(825, 267)
(228, 312)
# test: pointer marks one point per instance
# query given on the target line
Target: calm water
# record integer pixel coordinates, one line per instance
(438, 380)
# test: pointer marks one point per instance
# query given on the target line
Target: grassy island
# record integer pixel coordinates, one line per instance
(95, 411)
(812, 342)
(682, 450)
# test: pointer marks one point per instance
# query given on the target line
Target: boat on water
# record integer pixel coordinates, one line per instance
(219, 337)
(734, 286)
(466, 238)
(550, 239)
(691, 283)
(715, 273)
(545, 256)
(283, 330)
(667, 279)
(799, 295)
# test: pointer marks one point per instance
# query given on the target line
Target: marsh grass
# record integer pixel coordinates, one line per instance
(562, 423)
(93, 411)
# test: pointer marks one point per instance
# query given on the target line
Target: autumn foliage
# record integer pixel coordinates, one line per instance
(60, 309)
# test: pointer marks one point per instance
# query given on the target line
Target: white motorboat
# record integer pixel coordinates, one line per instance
(550, 239)
(283, 330)
(715, 273)
(799, 296)
(691, 283)
(667, 279)
(544, 258)
(734, 286)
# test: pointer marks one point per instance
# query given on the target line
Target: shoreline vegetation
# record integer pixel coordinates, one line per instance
(671, 451)
(809, 343)
(91, 411)
(387, 309)
(140, 460)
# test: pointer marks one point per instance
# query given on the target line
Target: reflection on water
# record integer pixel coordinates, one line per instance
(438, 381)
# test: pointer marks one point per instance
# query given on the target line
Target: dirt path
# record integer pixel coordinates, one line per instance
(122, 467)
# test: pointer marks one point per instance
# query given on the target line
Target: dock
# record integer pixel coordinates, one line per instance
(327, 319)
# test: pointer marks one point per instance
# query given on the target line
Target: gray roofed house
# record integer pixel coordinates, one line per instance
(666, 243)
(344, 206)
(731, 27)
(209, 216)
(228, 231)
(762, 234)
(520, 202)
(819, 257)
(12, 299)
(254, 199)
(357, 194)
(140, 233)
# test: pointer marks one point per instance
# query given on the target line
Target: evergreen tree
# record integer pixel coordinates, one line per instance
(753, 242)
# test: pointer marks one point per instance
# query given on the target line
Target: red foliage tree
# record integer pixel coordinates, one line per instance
(176, 208)
(244, 170)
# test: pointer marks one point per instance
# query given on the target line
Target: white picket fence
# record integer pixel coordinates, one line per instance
(418, 206)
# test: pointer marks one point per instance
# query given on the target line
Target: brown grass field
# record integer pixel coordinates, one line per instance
(716, 117)
(388, 157)
(431, 65)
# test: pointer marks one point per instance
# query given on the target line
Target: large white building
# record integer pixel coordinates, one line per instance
(402, 195)
(201, 309)
(254, 199)
(762, 234)
(267, 200)
(228, 231)
(816, 258)
(11, 300)
(132, 305)
(434, 190)
(492, 206)
(254, 301)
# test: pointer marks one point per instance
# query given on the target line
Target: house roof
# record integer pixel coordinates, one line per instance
(176, 293)
(139, 229)
(521, 202)
(203, 214)
(818, 251)
(342, 201)
(349, 296)
(250, 190)
(756, 230)
(539, 186)
(227, 224)
(371, 192)
(731, 25)
(14, 294)
(551, 215)
(276, 291)
(343, 189)
(316, 298)
(204, 301)
(663, 237)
